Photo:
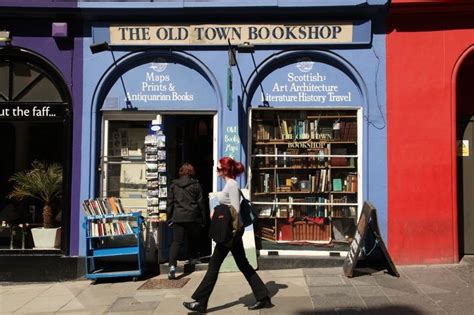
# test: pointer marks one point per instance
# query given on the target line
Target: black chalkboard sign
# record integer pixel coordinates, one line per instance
(368, 233)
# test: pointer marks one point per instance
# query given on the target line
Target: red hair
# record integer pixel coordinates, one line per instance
(230, 167)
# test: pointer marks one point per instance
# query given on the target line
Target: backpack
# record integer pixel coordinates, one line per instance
(221, 225)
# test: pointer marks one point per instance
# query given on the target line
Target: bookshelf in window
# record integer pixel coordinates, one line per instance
(304, 173)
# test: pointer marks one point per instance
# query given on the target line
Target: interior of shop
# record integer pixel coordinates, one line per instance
(25, 142)
(189, 139)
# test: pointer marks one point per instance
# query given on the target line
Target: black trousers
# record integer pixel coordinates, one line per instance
(204, 290)
(193, 232)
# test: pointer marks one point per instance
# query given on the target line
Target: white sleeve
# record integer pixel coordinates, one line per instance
(234, 195)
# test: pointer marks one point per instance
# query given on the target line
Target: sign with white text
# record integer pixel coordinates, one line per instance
(30, 111)
(161, 84)
(308, 82)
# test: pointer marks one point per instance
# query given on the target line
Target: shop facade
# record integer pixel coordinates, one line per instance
(429, 75)
(296, 92)
(312, 100)
(38, 99)
(300, 101)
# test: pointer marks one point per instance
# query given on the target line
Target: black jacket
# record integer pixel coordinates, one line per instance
(221, 225)
(185, 201)
(225, 225)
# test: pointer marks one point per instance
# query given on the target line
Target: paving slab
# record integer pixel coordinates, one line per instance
(289, 305)
(439, 289)
(13, 302)
(45, 304)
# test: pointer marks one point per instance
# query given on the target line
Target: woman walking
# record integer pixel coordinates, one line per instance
(228, 169)
(186, 214)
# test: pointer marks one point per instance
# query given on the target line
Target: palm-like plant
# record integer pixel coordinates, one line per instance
(42, 182)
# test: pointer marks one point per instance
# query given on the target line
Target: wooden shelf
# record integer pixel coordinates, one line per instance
(289, 193)
(287, 168)
(343, 192)
(283, 141)
(309, 166)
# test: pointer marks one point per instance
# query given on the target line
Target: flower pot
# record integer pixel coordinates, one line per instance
(46, 238)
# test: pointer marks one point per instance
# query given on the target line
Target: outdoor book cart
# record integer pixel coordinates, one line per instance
(114, 246)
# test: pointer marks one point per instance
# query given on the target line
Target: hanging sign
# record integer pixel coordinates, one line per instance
(220, 34)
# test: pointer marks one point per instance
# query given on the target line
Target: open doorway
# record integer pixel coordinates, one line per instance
(189, 138)
(465, 155)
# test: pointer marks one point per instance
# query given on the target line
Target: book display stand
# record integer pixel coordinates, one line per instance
(157, 192)
(112, 237)
(155, 159)
(304, 174)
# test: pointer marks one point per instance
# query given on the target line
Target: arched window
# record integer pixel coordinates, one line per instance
(35, 116)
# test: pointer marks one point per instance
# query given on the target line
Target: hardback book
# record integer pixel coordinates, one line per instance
(337, 184)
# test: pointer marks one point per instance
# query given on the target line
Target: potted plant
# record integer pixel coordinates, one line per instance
(42, 182)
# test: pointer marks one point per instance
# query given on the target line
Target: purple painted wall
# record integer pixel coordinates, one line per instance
(77, 100)
(67, 56)
(39, 3)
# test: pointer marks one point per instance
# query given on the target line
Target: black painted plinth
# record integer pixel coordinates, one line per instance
(39, 266)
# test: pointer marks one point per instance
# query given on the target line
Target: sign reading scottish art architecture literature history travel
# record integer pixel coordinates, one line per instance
(308, 82)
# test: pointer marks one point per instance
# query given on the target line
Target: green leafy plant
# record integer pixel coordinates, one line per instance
(42, 182)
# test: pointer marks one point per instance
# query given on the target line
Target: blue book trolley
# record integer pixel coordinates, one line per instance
(114, 246)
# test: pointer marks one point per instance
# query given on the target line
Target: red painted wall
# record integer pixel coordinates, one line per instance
(423, 49)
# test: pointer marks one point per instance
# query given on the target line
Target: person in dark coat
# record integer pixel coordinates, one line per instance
(186, 215)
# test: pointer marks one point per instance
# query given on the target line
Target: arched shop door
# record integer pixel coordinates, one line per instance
(35, 121)
(465, 162)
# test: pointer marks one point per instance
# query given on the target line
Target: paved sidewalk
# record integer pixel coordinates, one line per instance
(439, 289)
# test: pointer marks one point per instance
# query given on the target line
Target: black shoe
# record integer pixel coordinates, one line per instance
(263, 303)
(172, 273)
(196, 307)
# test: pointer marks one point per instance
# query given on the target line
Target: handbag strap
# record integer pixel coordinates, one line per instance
(242, 195)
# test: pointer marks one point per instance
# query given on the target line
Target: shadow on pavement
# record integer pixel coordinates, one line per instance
(249, 299)
(385, 310)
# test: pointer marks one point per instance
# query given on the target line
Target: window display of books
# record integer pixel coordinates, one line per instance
(304, 173)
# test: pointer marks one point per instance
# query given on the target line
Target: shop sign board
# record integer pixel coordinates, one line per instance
(161, 84)
(220, 34)
(308, 82)
(368, 245)
(332, 32)
(19, 111)
(231, 141)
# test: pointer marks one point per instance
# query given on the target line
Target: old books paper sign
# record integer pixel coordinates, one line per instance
(367, 245)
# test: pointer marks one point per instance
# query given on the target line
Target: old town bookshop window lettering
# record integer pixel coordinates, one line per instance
(304, 174)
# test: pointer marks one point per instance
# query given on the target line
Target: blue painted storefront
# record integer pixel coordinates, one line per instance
(195, 79)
